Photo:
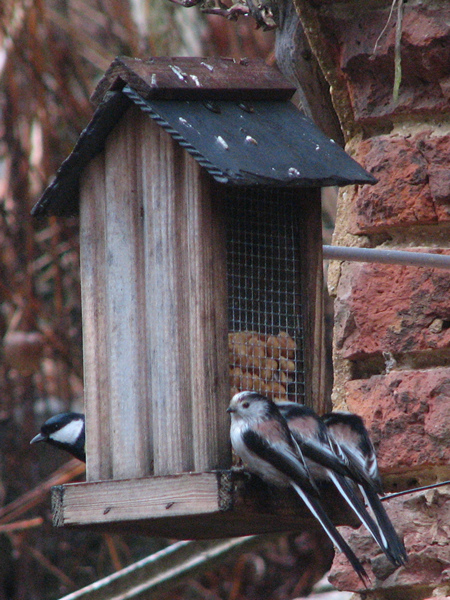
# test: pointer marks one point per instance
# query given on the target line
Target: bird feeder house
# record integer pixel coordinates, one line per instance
(197, 183)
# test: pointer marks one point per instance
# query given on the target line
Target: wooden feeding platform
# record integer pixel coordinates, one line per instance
(191, 506)
(198, 184)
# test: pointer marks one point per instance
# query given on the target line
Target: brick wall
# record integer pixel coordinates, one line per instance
(392, 323)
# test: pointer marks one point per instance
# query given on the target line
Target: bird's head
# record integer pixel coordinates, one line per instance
(250, 405)
(66, 431)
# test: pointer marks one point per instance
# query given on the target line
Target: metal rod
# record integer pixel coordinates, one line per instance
(158, 573)
(391, 257)
(419, 489)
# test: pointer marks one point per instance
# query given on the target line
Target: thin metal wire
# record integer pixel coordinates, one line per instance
(419, 489)
(265, 313)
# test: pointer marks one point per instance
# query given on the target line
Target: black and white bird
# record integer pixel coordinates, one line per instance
(65, 431)
(261, 438)
(352, 444)
(311, 435)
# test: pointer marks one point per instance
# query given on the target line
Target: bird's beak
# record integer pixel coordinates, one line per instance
(230, 410)
(38, 438)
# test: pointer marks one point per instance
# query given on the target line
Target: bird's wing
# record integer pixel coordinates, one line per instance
(354, 461)
(324, 456)
(281, 456)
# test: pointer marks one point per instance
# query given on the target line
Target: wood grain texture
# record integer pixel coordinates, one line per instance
(95, 341)
(155, 306)
(193, 78)
(299, 65)
(189, 506)
(208, 324)
(311, 274)
(126, 303)
(166, 269)
(186, 308)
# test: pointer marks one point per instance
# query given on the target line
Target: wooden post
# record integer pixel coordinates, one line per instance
(126, 310)
(208, 296)
(311, 274)
(95, 334)
(186, 285)
(167, 299)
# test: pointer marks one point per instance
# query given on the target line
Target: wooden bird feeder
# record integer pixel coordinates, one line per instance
(197, 183)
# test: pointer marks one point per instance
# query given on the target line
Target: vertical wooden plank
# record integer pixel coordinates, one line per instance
(93, 297)
(310, 239)
(167, 299)
(126, 314)
(208, 297)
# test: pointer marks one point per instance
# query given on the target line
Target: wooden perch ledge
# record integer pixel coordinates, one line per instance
(215, 504)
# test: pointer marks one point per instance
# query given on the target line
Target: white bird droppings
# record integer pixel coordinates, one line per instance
(222, 142)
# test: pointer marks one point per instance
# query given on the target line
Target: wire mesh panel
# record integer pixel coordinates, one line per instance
(266, 329)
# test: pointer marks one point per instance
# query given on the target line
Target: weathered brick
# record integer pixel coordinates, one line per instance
(425, 56)
(408, 416)
(392, 308)
(436, 151)
(422, 520)
(413, 182)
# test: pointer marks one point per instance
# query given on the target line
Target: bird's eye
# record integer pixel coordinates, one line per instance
(246, 404)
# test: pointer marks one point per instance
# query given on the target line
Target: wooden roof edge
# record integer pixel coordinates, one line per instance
(189, 78)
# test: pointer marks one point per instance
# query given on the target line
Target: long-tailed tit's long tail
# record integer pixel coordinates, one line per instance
(316, 508)
(388, 543)
(393, 542)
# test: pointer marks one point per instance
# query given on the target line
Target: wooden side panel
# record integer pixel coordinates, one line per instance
(208, 325)
(93, 295)
(186, 308)
(155, 308)
(126, 311)
(166, 269)
(312, 278)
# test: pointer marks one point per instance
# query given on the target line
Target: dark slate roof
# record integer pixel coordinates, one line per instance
(257, 142)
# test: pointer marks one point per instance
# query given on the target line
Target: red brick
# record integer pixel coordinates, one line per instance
(425, 55)
(407, 414)
(436, 151)
(422, 520)
(392, 308)
(402, 195)
(413, 182)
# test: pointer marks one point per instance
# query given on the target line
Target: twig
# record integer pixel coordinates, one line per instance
(44, 562)
(385, 27)
(112, 551)
(397, 53)
(21, 525)
(30, 499)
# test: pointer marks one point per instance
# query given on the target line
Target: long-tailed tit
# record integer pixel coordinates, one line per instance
(311, 435)
(261, 438)
(351, 442)
(65, 431)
